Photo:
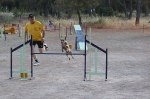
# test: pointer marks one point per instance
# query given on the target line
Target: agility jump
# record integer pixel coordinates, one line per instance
(84, 54)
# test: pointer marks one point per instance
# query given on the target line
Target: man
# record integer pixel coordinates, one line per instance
(35, 28)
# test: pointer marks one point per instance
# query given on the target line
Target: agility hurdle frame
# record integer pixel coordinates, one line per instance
(104, 51)
(4, 31)
(84, 54)
(1, 33)
(11, 53)
(63, 34)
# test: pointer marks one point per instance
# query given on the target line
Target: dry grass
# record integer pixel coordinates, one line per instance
(95, 22)
(118, 23)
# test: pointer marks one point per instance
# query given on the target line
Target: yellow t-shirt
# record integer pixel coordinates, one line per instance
(35, 30)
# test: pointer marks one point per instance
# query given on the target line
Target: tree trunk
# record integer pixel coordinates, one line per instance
(125, 9)
(40, 13)
(69, 13)
(138, 12)
(79, 16)
(89, 11)
(45, 11)
(124, 6)
(146, 10)
(131, 10)
(58, 15)
(103, 2)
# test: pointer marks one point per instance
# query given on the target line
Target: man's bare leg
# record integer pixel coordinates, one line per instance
(33, 50)
(41, 50)
(34, 56)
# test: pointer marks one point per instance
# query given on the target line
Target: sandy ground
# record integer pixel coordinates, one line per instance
(59, 78)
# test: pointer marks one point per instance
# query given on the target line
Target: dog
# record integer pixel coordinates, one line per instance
(66, 47)
(63, 44)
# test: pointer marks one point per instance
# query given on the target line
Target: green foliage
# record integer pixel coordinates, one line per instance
(5, 17)
(18, 12)
(96, 20)
(1, 9)
(105, 11)
(101, 20)
(94, 13)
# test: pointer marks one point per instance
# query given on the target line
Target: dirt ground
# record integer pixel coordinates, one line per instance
(59, 78)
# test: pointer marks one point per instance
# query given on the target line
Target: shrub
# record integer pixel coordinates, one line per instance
(105, 11)
(18, 12)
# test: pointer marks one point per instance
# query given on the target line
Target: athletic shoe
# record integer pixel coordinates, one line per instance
(36, 64)
(46, 47)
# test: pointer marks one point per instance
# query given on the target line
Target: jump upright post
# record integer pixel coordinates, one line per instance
(57, 28)
(104, 51)
(62, 33)
(21, 67)
(80, 44)
(1, 33)
(70, 29)
(4, 31)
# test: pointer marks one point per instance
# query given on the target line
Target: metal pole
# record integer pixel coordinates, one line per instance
(65, 38)
(10, 62)
(143, 28)
(66, 31)
(70, 28)
(19, 30)
(76, 43)
(106, 64)
(31, 58)
(4, 32)
(85, 60)
(59, 30)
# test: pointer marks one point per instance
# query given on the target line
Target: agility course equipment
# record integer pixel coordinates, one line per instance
(21, 31)
(102, 50)
(62, 34)
(1, 33)
(94, 66)
(22, 71)
(11, 29)
(70, 29)
(84, 53)
(79, 41)
(55, 27)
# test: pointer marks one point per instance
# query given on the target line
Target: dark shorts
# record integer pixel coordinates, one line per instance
(39, 43)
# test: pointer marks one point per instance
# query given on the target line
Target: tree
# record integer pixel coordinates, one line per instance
(124, 6)
(8, 3)
(145, 6)
(131, 9)
(138, 5)
(77, 5)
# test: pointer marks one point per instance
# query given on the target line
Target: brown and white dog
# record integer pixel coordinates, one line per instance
(66, 47)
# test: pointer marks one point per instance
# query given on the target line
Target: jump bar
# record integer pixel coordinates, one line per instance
(59, 53)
